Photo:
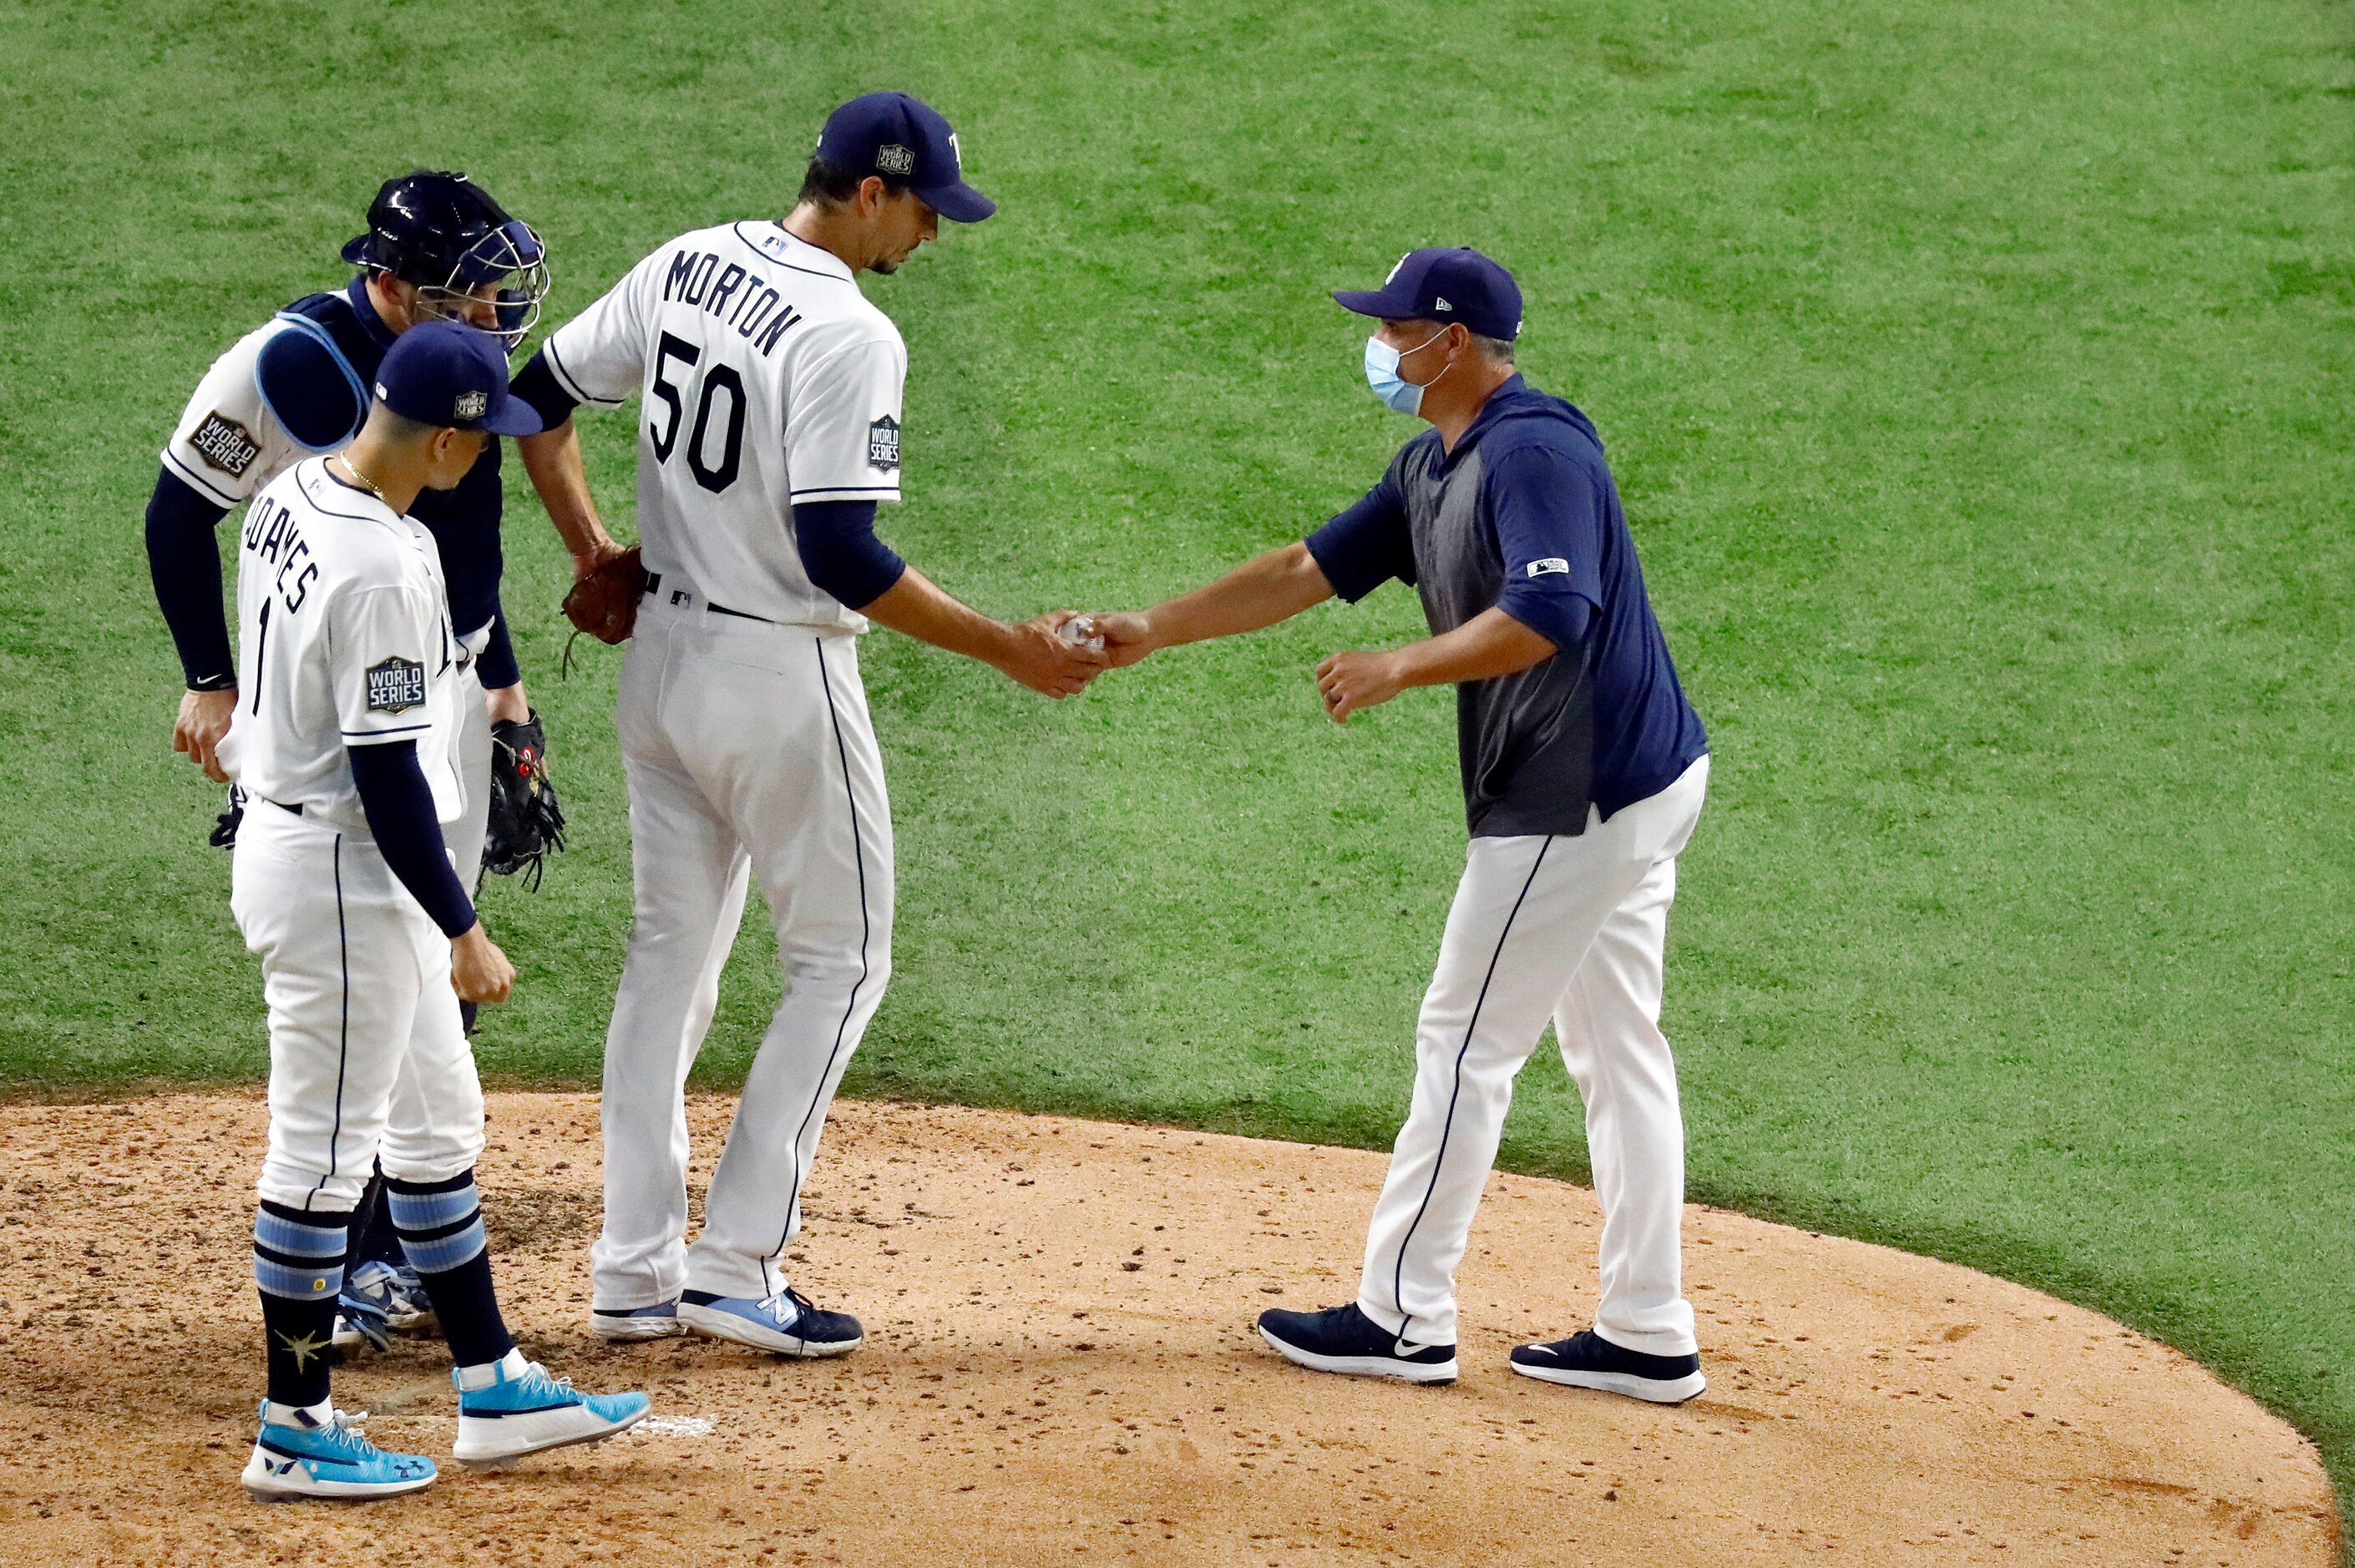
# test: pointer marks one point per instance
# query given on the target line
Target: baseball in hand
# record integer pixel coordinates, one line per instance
(1081, 632)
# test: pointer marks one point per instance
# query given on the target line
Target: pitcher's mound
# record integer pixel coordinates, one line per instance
(1061, 1369)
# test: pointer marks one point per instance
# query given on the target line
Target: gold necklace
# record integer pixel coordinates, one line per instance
(364, 482)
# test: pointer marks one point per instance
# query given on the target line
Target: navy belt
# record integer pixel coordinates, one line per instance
(654, 586)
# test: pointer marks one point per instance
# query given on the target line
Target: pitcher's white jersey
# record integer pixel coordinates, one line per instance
(343, 639)
(769, 381)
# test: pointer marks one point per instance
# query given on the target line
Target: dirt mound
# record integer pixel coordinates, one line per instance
(1061, 1369)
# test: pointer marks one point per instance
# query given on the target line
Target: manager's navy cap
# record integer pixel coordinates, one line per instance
(445, 374)
(1443, 284)
(908, 142)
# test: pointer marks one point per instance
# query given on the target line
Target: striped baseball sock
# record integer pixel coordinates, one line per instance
(441, 1226)
(298, 1264)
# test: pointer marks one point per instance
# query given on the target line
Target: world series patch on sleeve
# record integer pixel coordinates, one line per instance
(225, 444)
(395, 687)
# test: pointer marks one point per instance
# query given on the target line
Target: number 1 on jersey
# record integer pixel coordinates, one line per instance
(713, 477)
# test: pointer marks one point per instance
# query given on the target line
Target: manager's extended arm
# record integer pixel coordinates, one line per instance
(1259, 593)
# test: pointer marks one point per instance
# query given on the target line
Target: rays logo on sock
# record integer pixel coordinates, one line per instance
(883, 442)
(304, 1348)
(395, 687)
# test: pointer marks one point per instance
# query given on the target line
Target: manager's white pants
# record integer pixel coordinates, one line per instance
(748, 750)
(366, 1059)
(1573, 928)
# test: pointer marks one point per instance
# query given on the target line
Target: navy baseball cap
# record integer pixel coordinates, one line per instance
(1442, 284)
(447, 374)
(905, 141)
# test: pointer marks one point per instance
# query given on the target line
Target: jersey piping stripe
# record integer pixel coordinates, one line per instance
(556, 364)
(344, 1030)
(209, 490)
(842, 490)
(849, 1007)
(754, 245)
(1397, 1276)
(366, 735)
(309, 492)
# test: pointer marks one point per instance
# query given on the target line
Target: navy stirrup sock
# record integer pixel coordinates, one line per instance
(298, 1264)
(441, 1226)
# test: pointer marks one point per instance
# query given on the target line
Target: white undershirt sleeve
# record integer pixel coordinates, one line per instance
(600, 355)
(842, 423)
(227, 444)
(386, 641)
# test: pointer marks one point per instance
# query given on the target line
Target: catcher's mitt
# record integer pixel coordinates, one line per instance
(526, 822)
(604, 604)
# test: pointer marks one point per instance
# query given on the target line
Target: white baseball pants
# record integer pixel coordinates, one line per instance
(748, 750)
(366, 1059)
(465, 837)
(1574, 929)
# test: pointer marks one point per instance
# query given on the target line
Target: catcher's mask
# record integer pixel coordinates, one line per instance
(468, 258)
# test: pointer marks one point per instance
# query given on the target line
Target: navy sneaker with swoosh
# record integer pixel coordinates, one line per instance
(1587, 1360)
(1344, 1340)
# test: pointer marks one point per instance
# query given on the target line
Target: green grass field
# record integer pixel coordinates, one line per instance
(1977, 377)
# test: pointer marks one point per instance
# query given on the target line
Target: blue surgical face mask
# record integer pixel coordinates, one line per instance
(1381, 373)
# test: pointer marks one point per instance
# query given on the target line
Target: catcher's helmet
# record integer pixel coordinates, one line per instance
(443, 233)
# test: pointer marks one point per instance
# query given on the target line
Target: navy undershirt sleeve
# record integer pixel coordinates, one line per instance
(184, 560)
(1367, 544)
(497, 665)
(407, 831)
(841, 554)
(1549, 520)
(537, 385)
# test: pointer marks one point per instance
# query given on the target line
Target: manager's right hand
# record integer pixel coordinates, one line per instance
(202, 722)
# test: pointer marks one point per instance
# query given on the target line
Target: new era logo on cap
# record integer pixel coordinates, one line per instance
(1453, 284)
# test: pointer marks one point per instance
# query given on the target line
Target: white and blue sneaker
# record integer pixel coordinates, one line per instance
(515, 1408)
(407, 1309)
(659, 1321)
(785, 1323)
(381, 1300)
(300, 1456)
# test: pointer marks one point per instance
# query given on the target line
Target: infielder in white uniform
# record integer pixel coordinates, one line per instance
(770, 430)
(342, 743)
(437, 247)
(1584, 770)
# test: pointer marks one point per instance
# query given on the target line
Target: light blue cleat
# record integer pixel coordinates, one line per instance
(625, 1324)
(303, 1459)
(786, 1323)
(523, 1411)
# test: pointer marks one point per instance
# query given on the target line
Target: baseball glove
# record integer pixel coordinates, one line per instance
(526, 824)
(604, 604)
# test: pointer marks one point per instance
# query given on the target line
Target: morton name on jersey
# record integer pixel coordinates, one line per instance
(343, 639)
(769, 380)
